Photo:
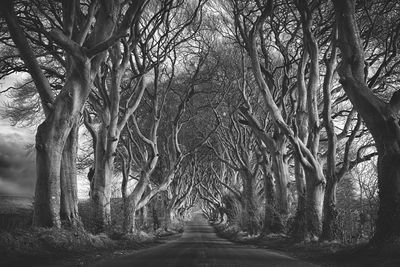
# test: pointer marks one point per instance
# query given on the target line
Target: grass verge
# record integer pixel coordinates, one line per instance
(320, 253)
(69, 247)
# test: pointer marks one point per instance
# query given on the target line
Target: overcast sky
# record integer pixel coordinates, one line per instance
(17, 161)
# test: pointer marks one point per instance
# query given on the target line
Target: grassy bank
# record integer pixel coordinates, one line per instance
(23, 245)
(69, 247)
(320, 253)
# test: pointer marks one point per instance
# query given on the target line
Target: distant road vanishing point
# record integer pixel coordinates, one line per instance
(199, 246)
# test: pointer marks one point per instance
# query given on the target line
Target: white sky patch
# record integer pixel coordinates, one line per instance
(25, 135)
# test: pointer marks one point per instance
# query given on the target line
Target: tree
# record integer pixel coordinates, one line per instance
(84, 44)
(305, 153)
(121, 84)
(380, 117)
(146, 140)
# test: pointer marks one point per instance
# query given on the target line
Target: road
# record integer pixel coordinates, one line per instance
(199, 246)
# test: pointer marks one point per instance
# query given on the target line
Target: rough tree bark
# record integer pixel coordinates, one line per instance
(249, 203)
(281, 171)
(298, 229)
(169, 215)
(132, 203)
(51, 137)
(272, 219)
(299, 225)
(68, 179)
(101, 194)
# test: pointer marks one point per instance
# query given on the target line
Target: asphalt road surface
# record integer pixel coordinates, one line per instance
(199, 246)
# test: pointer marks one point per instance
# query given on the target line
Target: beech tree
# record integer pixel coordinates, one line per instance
(145, 136)
(83, 37)
(380, 117)
(305, 153)
(122, 82)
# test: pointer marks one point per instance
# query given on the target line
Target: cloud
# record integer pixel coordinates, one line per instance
(17, 163)
(14, 134)
(13, 189)
(17, 157)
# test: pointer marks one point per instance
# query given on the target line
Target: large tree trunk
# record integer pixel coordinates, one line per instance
(314, 206)
(104, 165)
(249, 205)
(330, 226)
(68, 179)
(132, 202)
(388, 222)
(48, 164)
(129, 223)
(281, 176)
(272, 219)
(62, 113)
(315, 180)
(102, 195)
(169, 213)
(51, 137)
(143, 219)
(298, 229)
(131, 205)
(156, 221)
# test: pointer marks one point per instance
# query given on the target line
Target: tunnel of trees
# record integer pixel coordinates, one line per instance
(275, 116)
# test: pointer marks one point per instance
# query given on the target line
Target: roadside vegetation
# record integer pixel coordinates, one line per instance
(22, 244)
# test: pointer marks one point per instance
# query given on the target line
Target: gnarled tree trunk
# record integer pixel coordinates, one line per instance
(129, 223)
(281, 170)
(51, 138)
(132, 201)
(169, 212)
(314, 205)
(388, 223)
(249, 205)
(272, 219)
(330, 226)
(298, 229)
(101, 194)
(68, 179)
